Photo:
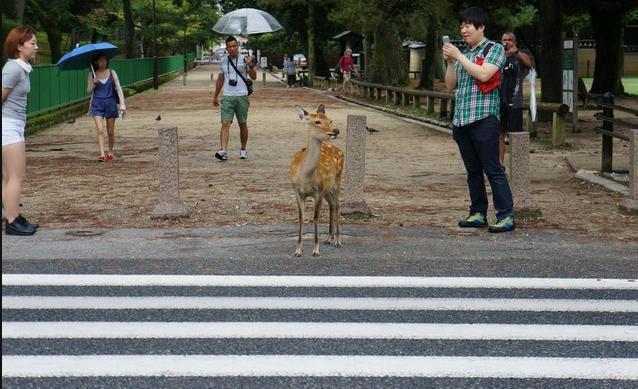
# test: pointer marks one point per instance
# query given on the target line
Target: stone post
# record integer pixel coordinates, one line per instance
(170, 205)
(355, 169)
(630, 204)
(558, 129)
(263, 77)
(519, 172)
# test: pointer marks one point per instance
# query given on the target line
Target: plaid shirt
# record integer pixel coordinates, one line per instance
(471, 103)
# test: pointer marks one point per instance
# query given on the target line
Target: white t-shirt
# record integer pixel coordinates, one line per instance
(229, 74)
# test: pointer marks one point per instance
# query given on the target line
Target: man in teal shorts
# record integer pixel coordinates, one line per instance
(235, 99)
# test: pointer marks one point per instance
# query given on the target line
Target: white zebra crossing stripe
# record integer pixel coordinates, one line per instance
(316, 281)
(317, 366)
(313, 303)
(292, 330)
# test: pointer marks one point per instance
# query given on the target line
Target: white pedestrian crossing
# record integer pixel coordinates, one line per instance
(319, 366)
(33, 305)
(334, 303)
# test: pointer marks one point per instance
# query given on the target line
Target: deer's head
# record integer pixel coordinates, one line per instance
(319, 125)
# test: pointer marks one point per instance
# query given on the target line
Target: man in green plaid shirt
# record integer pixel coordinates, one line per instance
(476, 120)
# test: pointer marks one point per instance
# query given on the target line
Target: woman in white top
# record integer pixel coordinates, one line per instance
(106, 94)
(20, 47)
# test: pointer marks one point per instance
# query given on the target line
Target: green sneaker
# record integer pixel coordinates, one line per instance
(475, 220)
(504, 224)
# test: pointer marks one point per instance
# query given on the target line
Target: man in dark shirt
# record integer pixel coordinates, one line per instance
(516, 67)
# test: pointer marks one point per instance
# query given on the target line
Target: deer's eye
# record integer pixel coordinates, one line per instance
(317, 122)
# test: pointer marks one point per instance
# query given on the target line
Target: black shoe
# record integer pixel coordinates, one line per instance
(17, 228)
(24, 221)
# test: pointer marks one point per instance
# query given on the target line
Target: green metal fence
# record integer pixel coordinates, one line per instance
(52, 88)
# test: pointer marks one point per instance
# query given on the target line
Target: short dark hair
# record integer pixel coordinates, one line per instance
(230, 39)
(98, 56)
(475, 16)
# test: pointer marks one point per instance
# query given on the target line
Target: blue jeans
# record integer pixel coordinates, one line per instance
(478, 144)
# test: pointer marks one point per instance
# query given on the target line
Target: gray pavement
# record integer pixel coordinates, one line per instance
(367, 250)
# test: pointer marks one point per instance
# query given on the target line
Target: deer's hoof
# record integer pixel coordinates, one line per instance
(328, 241)
(315, 253)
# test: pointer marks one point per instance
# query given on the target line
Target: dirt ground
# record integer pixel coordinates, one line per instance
(414, 176)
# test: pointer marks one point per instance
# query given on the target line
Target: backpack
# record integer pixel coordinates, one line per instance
(495, 80)
(338, 67)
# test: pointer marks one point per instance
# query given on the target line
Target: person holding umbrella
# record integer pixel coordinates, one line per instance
(106, 93)
(235, 69)
(20, 47)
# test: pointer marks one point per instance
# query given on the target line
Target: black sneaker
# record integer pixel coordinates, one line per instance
(475, 220)
(221, 155)
(24, 221)
(17, 228)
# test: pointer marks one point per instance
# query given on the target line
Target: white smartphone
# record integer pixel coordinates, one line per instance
(446, 39)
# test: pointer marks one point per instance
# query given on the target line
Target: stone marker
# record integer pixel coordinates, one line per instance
(519, 171)
(630, 204)
(355, 169)
(558, 129)
(170, 205)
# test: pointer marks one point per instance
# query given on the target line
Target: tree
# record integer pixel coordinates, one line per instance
(382, 21)
(129, 28)
(551, 23)
(608, 22)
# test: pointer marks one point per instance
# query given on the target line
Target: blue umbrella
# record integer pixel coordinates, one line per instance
(81, 57)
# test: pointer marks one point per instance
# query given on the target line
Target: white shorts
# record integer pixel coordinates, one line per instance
(12, 131)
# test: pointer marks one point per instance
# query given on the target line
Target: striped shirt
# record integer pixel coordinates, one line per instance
(472, 104)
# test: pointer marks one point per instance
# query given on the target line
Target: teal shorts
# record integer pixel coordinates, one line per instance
(235, 105)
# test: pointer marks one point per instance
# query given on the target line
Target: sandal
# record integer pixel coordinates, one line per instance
(109, 157)
(101, 159)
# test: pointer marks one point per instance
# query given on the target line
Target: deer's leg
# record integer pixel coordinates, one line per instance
(300, 204)
(318, 203)
(331, 233)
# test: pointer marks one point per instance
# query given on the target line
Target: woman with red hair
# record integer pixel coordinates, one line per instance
(20, 48)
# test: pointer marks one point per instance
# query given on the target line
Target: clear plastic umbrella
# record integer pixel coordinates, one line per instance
(246, 21)
(531, 77)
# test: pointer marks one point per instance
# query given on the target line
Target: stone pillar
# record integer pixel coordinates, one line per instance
(630, 204)
(519, 171)
(558, 129)
(169, 206)
(263, 78)
(355, 169)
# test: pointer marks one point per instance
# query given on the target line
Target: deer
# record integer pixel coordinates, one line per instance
(315, 172)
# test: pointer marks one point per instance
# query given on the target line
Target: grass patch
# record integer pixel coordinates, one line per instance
(630, 84)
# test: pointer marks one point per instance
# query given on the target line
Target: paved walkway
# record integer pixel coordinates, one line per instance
(414, 182)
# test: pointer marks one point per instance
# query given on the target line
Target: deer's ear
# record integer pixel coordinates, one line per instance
(301, 112)
(321, 109)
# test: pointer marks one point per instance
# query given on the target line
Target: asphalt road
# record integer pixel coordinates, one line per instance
(268, 249)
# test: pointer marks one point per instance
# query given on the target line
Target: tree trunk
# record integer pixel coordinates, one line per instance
(51, 25)
(312, 58)
(431, 57)
(19, 5)
(387, 61)
(367, 51)
(129, 34)
(551, 69)
(608, 27)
